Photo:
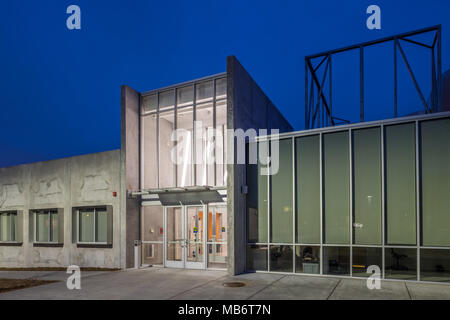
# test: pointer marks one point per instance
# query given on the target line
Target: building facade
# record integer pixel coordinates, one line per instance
(177, 194)
(144, 204)
(349, 197)
(62, 212)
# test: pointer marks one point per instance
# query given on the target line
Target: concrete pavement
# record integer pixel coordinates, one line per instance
(159, 283)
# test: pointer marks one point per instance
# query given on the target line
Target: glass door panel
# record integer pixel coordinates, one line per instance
(185, 237)
(217, 236)
(195, 255)
(175, 244)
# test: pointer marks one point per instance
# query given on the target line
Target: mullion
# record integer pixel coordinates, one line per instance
(95, 225)
(49, 213)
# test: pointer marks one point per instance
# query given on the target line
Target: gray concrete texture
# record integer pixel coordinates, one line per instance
(177, 284)
(247, 107)
(130, 169)
(63, 184)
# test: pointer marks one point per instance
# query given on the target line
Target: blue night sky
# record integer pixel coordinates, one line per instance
(60, 89)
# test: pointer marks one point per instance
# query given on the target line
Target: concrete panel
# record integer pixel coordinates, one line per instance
(248, 107)
(48, 184)
(130, 170)
(87, 180)
(13, 187)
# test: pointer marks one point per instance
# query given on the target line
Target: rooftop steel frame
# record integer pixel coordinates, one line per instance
(319, 112)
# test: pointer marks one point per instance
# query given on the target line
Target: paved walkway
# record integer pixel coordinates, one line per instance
(159, 283)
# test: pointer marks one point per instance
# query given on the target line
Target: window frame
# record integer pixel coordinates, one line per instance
(78, 230)
(11, 226)
(50, 233)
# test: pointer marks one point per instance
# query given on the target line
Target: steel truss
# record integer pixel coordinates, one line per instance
(319, 108)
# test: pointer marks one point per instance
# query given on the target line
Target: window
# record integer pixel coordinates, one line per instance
(336, 261)
(336, 175)
(282, 196)
(185, 135)
(93, 225)
(166, 127)
(281, 258)
(149, 103)
(257, 199)
(435, 265)
(204, 91)
(195, 155)
(217, 236)
(400, 263)
(307, 259)
(363, 258)
(400, 184)
(46, 226)
(435, 156)
(149, 151)
(367, 186)
(152, 235)
(8, 227)
(256, 257)
(308, 189)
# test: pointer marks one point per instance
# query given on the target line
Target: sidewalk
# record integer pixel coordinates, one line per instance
(159, 283)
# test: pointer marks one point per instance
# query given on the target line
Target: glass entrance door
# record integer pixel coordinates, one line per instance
(185, 237)
(175, 244)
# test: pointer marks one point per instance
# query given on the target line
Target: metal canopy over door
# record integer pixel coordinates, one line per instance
(185, 236)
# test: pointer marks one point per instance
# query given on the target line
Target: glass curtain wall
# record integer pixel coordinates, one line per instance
(183, 135)
(347, 199)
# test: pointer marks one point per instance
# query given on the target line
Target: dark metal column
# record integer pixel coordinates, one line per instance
(361, 84)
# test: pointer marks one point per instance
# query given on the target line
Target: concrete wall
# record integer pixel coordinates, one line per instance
(247, 107)
(87, 180)
(130, 169)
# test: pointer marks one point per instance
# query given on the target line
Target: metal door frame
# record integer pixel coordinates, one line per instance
(184, 263)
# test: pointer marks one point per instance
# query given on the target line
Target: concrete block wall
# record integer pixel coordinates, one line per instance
(87, 180)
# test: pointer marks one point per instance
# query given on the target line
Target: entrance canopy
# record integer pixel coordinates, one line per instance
(182, 196)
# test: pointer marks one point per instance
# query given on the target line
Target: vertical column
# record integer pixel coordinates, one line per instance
(383, 201)
(306, 98)
(361, 84)
(330, 80)
(294, 203)
(214, 132)
(350, 150)
(157, 135)
(395, 78)
(418, 185)
(269, 200)
(175, 127)
(321, 201)
(194, 138)
(439, 69)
